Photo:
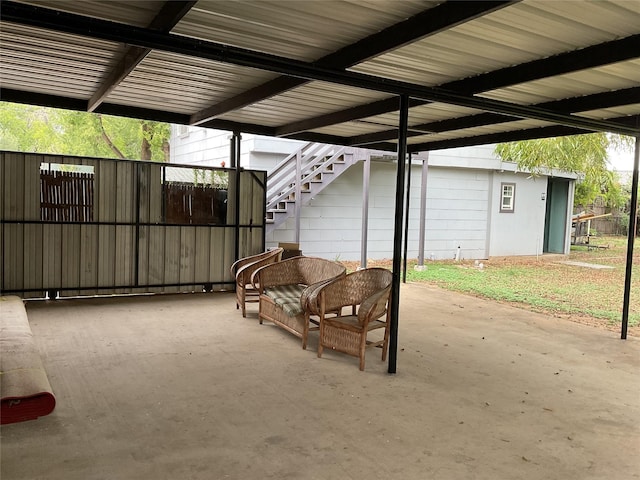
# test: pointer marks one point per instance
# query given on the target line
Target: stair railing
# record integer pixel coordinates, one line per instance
(310, 161)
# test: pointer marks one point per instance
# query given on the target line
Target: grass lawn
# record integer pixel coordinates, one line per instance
(547, 284)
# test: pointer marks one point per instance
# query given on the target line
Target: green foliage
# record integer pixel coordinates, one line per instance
(47, 130)
(585, 155)
(544, 286)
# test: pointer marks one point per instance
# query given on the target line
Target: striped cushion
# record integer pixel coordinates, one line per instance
(286, 297)
(292, 308)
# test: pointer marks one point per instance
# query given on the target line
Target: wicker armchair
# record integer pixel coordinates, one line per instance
(243, 270)
(287, 288)
(367, 292)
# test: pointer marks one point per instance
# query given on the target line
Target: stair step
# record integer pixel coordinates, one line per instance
(313, 180)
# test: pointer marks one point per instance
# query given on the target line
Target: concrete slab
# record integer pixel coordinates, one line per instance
(183, 387)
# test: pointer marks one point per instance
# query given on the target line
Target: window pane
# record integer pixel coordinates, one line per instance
(507, 197)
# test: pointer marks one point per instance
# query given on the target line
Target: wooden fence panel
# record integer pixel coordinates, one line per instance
(195, 204)
(66, 196)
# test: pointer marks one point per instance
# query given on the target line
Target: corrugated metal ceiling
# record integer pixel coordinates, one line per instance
(521, 53)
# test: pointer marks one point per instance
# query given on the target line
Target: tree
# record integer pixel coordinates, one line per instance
(585, 155)
(46, 130)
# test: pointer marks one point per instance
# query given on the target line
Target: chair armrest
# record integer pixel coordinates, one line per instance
(245, 273)
(275, 254)
(309, 297)
(374, 306)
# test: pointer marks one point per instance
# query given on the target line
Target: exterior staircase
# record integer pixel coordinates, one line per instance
(304, 174)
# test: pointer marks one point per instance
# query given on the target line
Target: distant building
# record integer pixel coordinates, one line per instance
(474, 201)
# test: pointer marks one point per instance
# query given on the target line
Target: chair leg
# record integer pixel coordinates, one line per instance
(385, 342)
(320, 346)
(363, 349)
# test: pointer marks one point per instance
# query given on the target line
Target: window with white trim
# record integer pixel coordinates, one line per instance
(507, 197)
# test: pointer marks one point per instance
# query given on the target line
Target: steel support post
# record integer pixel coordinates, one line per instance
(397, 240)
(630, 240)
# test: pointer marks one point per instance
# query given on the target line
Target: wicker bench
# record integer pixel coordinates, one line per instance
(243, 270)
(286, 289)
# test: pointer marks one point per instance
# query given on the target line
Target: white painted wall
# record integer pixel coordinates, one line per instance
(463, 202)
(520, 232)
(203, 146)
(456, 215)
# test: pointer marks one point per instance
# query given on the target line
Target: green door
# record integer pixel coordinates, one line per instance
(555, 222)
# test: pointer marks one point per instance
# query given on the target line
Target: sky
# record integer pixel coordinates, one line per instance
(621, 161)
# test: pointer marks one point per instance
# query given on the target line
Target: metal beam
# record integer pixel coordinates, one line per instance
(514, 136)
(168, 16)
(67, 103)
(590, 57)
(361, 111)
(143, 37)
(421, 25)
(569, 105)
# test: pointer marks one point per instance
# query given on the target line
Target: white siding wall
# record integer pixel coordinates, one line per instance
(456, 215)
(202, 146)
(463, 198)
(520, 232)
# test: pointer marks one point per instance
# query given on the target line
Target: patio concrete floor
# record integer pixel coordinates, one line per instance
(183, 387)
